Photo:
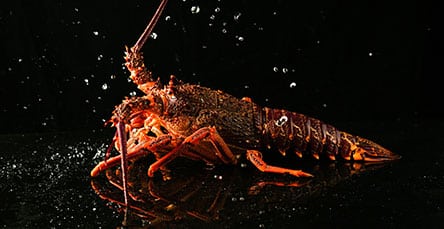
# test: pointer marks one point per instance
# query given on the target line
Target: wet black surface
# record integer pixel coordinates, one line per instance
(46, 183)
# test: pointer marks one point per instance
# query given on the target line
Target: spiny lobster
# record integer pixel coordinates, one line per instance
(200, 123)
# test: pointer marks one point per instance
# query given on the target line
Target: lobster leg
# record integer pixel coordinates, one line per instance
(221, 149)
(133, 152)
(256, 158)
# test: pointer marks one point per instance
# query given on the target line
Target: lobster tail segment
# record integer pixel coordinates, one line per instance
(367, 150)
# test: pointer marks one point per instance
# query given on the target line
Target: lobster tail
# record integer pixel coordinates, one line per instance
(306, 136)
(366, 150)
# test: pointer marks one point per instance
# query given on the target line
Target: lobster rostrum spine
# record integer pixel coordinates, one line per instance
(210, 125)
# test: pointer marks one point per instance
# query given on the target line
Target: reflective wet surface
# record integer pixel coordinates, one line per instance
(45, 183)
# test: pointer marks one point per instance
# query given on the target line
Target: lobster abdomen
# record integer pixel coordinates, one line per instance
(305, 136)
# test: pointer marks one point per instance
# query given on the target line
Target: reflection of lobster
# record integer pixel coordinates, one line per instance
(203, 124)
(202, 195)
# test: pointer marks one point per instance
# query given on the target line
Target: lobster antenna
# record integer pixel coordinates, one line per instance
(149, 28)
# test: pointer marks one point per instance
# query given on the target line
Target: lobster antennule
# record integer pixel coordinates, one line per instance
(121, 133)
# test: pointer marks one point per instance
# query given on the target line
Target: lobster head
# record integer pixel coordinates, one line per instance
(369, 151)
(132, 107)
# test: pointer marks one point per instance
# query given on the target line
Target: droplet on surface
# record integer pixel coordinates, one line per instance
(282, 120)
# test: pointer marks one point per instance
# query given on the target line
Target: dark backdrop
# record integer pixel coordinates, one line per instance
(351, 61)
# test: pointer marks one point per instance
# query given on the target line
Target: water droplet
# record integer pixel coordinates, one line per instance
(76, 9)
(240, 38)
(44, 124)
(234, 199)
(96, 33)
(86, 82)
(292, 84)
(167, 18)
(113, 76)
(241, 198)
(243, 165)
(133, 93)
(100, 57)
(104, 86)
(370, 54)
(282, 120)
(195, 9)
(217, 10)
(284, 70)
(224, 30)
(237, 15)
(212, 17)
(275, 69)
(324, 105)
(20, 60)
(25, 107)
(153, 36)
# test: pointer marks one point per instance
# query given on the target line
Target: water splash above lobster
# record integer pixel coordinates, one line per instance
(199, 123)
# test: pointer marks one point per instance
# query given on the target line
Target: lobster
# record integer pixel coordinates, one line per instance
(199, 123)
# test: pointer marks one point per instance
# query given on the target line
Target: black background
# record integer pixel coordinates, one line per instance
(352, 61)
(371, 68)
